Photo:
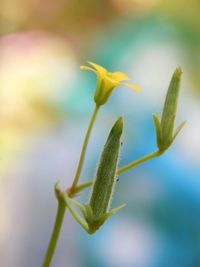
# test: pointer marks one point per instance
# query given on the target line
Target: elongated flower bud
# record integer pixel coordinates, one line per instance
(96, 211)
(170, 106)
(106, 172)
(165, 127)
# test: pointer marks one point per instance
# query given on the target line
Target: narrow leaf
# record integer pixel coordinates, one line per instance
(180, 127)
(157, 125)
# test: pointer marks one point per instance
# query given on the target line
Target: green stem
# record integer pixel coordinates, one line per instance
(84, 185)
(131, 165)
(72, 191)
(55, 233)
(139, 161)
(82, 156)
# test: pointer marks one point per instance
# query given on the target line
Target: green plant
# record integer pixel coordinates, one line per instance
(97, 210)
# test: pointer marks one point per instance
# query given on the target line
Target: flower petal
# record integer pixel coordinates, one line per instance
(100, 70)
(112, 81)
(87, 68)
(132, 86)
(119, 76)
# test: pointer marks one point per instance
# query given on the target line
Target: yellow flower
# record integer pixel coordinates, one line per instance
(107, 82)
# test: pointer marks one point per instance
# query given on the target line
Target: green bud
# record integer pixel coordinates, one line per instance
(165, 126)
(103, 91)
(170, 106)
(97, 210)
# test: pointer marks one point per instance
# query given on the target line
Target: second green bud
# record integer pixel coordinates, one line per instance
(103, 188)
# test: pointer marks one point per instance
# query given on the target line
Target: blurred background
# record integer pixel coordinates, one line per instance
(45, 106)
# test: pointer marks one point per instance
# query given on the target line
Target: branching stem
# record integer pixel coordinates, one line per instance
(74, 189)
(121, 170)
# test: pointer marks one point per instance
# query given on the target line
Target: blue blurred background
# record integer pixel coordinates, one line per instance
(45, 106)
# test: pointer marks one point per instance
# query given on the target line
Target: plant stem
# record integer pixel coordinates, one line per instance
(82, 156)
(131, 165)
(55, 233)
(139, 161)
(84, 185)
(72, 191)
